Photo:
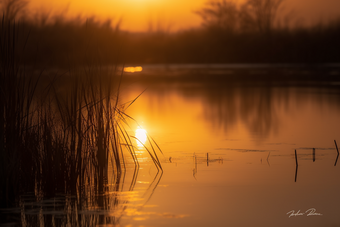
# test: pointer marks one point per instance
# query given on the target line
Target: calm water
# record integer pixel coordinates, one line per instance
(229, 154)
(229, 158)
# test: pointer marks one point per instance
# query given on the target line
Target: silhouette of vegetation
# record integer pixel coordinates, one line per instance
(251, 15)
(222, 15)
(261, 14)
(59, 133)
(231, 32)
(12, 9)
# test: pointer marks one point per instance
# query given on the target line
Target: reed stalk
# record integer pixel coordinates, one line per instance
(59, 136)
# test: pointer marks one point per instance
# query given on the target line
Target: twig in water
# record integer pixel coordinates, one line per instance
(207, 159)
(297, 165)
(296, 161)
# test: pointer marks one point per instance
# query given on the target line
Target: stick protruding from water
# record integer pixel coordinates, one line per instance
(207, 159)
(296, 161)
(297, 165)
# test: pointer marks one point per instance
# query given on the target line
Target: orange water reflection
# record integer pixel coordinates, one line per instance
(141, 137)
(132, 69)
(229, 152)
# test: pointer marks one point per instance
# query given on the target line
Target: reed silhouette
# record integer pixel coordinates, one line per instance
(105, 209)
(61, 133)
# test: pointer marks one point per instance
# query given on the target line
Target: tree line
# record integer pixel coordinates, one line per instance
(231, 32)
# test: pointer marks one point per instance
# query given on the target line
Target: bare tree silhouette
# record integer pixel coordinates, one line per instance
(260, 14)
(253, 15)
(220, 14)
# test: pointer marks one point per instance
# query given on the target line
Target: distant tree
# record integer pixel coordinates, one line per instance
(259, 14)
(158, 25)
(11, 9)
(220, 14)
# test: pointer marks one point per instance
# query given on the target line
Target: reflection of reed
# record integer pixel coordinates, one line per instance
(337, 150)
(89, 209)
(152, 187)
(296, 172)
(195, 167)
(268, 159)
(206, 160)
(297, 165)
(61, 134)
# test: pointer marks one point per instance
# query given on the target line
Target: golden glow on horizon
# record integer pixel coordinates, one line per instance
(137, 15)
(141, 136)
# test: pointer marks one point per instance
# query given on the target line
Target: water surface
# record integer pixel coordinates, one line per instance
(228, 136)
(229, 152)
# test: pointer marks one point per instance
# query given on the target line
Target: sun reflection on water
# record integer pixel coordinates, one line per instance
(133, 69)
(141, 136)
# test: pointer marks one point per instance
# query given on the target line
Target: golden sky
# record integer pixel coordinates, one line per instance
(174, 14)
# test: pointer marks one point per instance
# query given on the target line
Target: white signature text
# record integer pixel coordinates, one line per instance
(309, 212)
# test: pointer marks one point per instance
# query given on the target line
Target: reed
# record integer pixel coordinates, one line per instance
(60, 134)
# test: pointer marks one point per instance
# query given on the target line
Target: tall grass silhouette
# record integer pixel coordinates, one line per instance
(59, 133)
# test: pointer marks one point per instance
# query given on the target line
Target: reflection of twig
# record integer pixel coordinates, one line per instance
(268, 158)
(313, 154)
(296, 170)
(195, 167)
(134, 177)
(336, 160)
(207, 159)
(153, 188)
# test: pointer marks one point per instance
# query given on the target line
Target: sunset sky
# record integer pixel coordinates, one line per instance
(177, 14)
